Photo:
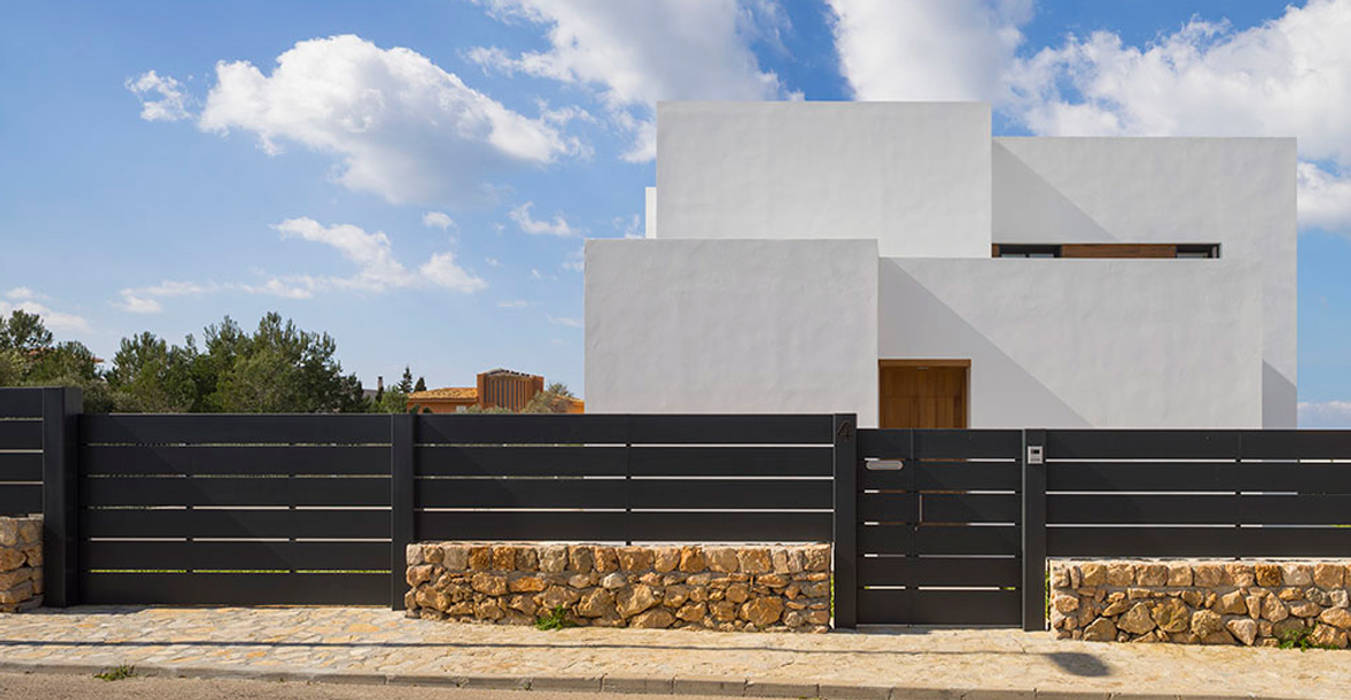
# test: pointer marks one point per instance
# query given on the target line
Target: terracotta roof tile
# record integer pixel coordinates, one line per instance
(450, 392)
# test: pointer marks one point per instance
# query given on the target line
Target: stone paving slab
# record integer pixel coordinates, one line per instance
(375, 645)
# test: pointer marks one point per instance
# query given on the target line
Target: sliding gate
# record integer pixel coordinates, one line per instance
(938, 527)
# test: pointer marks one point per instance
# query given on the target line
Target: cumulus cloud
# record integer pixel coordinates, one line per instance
(372, 253)
(558, 226)
(1289, 76)
(54, 320)
(162, 98)
(378, 270)
(437, 219)
(400, 126)
(631, 54)
(512, 304)
(1325, 414)
(947, 50)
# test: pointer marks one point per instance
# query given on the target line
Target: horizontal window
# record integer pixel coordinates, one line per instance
(1106, 250)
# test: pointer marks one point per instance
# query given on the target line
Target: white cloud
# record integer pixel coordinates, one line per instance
(1325, 414)
(437, 219)
(565, 321)
(22, 293)
(493, 262)
(558, 226)
(54, 320)
(576, 260)
(171, 105)
(442, 271)
(400, 126)
(631, 54)
(1324, 199)
(512, 304)
(378, 270)
(630, 227)
(945, 50)
(1290, 76)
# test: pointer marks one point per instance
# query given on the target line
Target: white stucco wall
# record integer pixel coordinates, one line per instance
(1085, 343)
(1239, 192)
(735, 326)
(915, 176)
(649, 212)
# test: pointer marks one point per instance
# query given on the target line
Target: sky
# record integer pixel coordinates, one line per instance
(417, 178)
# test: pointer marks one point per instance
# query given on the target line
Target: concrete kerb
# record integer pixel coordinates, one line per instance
(729, 687)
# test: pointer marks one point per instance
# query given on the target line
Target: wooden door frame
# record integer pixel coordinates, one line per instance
(884, 363)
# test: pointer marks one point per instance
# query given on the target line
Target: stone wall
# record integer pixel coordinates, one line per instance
(20, 563)
(785, 587)
(1202, 602)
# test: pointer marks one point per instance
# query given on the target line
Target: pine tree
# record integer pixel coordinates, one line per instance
(421, 385)
(406, 383)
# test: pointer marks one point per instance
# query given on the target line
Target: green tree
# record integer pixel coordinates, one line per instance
(148, 375)
(421, 385)
(24, 332)
(556, 398)
(405, 384)
(280, 368)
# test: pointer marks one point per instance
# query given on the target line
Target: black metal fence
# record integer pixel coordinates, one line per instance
(929, 526)
(270, 509)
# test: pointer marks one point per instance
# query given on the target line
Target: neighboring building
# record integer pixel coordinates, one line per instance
(497, 388)
(895, 261)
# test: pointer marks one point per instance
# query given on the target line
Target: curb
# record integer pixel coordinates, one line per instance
(678, 685)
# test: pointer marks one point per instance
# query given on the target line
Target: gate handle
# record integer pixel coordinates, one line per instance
(885, 464)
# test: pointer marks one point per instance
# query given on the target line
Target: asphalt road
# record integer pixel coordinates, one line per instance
(61, 686)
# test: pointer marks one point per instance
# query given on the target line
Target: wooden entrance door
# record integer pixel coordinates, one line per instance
(923, 393)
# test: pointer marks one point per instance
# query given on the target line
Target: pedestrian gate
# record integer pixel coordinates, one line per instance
(938, 538)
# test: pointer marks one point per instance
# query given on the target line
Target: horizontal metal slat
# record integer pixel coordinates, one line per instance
(21, 466)
(939, 571)
(939, 508)
(939, 539)
(731, 461)
(20, 434)
(945, 476)
(1097, 443)
(459, 460)
(620, 493)
(939, 607)
(234, 491)
(1296, 444)
(1228, 509)
(296, 523)
(620, 526)
(20, 403)
(242, 429)
(298, 459)
(485, 429)
(234, 589)
(20, 499)
(788, 429)
(159, 554)
(1197, 542)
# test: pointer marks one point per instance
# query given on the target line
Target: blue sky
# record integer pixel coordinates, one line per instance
(417, 178)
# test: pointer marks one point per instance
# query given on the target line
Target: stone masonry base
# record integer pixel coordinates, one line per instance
(750, 589)
(1207, 602)
(20, 563)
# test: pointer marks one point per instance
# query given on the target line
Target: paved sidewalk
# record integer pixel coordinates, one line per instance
(379, 646)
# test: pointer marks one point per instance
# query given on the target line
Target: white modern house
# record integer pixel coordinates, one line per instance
(896, 261)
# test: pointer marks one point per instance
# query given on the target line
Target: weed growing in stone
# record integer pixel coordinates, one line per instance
(116, 673)
(555, 619)
(1301, 639)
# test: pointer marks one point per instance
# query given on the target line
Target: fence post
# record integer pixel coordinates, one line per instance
(61, 407)
(402, 434)
(1033, 461)
(845, 546)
